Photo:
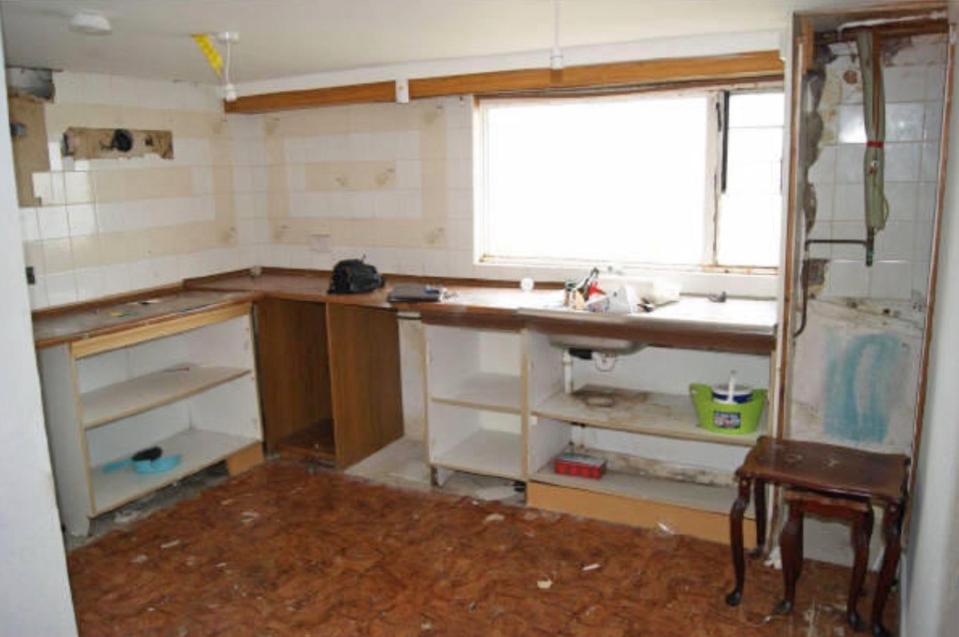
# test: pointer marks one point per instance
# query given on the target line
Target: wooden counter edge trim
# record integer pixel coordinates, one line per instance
(666, 335)
(168, 325)
(96, 333)
(470, 316)
(103, 301)
(753, 64)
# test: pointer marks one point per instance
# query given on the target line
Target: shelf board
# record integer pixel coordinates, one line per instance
(315, 442)
(199, 449)
(493, 392)
(144, 393)
(487, 452)
(701, 497)
(652, 413)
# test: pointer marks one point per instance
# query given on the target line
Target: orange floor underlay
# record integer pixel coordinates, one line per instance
(287, 549)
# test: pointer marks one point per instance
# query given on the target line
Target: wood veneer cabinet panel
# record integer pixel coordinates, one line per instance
(365, 372)
(294, 368)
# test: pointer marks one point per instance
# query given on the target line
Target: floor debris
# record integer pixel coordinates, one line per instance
(493, 517)
(170, 544)
(317, 551)
(544, 584)
(590, 567)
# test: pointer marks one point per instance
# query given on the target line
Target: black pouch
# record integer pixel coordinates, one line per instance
(353, 276)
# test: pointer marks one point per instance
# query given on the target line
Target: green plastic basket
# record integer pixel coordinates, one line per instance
(733, 419)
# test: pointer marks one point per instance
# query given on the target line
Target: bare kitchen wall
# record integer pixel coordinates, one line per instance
(107, 226)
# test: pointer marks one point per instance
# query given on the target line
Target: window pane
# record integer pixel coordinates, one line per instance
(606, 179)
(750, 209)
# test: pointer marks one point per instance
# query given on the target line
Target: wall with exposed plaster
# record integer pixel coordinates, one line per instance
(855, 369)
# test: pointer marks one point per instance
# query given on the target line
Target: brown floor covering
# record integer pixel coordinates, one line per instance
(286, 549)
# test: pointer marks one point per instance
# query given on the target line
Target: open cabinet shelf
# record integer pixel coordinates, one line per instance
(652, 413)
(488, 452)
(199, 449)
(490, 391)
(187, 385)
(143, 393)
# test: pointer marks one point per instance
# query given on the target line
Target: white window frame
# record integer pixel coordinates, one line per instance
(713, 175)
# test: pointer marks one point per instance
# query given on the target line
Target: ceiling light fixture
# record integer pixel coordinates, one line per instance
(90, 23)
(556, 55)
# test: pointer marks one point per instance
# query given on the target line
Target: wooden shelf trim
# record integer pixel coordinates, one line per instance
(147, 392)
(759, 65)
(652, 413)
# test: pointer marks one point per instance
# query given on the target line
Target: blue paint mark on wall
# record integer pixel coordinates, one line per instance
(859, 380)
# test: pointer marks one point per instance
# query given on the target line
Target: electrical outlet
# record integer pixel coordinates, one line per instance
(31, 276)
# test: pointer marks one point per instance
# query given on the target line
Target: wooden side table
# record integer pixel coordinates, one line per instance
(875, 478)
(854, 510)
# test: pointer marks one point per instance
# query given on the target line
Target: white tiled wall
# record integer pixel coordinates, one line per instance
(914, 80)
(114, 225)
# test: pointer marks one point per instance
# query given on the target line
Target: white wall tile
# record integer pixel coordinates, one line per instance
(81, 219)
(61, 288)
(890, 280)
(53, 222)
(902, 161)
(895, 242)
(846, 279)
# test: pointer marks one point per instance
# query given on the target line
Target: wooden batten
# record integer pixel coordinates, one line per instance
(309, 98)
(759, 65)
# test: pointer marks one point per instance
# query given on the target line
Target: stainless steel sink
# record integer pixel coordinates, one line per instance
(595, 343)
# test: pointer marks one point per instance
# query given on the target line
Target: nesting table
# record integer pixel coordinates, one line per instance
(853, 477)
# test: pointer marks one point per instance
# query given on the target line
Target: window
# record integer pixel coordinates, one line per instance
(633, 180)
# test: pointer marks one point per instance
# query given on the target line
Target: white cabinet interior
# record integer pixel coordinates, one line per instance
(187, 385)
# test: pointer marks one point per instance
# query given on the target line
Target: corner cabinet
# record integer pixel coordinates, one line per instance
(186, 384)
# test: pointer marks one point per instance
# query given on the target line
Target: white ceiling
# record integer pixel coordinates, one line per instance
(281, 38)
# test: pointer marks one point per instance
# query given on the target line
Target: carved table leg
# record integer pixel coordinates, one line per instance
(891, 521)
(790, 543)
(861, 532)
(736, 541)
(759, 493)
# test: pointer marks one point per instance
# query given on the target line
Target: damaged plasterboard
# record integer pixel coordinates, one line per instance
(855, 378)
(112, 143)
(28, 132)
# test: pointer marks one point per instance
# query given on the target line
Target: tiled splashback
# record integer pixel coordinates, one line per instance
(914, 79)
(391, 181)
(111, 225)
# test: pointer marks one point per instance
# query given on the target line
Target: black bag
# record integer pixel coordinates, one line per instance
(353, 276)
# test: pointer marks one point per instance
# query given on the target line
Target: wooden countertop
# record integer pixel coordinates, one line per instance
(737, 325)
(89, 319)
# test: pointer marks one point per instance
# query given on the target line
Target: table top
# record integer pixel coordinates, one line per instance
(831, 469)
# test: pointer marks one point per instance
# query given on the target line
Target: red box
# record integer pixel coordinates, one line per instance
(579, 465)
